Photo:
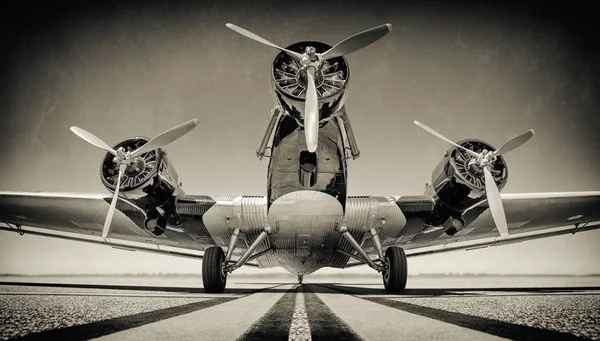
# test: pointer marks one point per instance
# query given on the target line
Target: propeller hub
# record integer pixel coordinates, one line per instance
(486, 158)
(311, 54)
(302, 77)
(474, 167)
(135, 167)
(121, 154)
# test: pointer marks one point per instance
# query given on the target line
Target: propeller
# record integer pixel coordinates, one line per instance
(311, 112)
(440, 136)
(311, 62)
(244, 32)
(485, 161)
(113, 203)
(125, 159)
(166, 137)
(356, 42)
(93, 139)
(515, 142)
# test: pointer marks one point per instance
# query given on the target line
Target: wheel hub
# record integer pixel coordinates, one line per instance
(386, 270)
(223, 271)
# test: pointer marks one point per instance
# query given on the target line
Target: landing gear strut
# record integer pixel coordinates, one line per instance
(300, 278)
(216, 265)
(392, 265)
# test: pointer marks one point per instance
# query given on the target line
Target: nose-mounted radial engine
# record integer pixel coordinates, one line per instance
(139, 167)
(470, 171)
(309, 134)
(310, 79)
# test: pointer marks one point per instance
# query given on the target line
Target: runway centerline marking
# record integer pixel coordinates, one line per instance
(275, 323)
(300, 328)
(324, 323)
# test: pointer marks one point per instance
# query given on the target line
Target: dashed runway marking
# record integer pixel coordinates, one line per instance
(325, 324)
(275, 324)
(300, 328)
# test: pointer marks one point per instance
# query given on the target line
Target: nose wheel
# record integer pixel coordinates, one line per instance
(395, 270)
(300, 278)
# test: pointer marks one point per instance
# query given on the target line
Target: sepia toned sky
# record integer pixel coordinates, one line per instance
(468, 70)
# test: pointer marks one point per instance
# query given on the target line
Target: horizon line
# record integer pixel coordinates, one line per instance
(158, 274)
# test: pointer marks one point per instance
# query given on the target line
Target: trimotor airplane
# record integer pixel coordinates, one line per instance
(307, 220)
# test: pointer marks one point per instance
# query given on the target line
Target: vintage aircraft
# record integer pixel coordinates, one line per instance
(307, 220)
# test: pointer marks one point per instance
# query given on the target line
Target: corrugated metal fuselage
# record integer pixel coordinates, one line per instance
(306, 198)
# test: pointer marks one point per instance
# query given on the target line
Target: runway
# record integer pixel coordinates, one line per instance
(288, 311)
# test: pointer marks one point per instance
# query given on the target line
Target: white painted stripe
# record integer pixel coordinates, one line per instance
(300, 329)
(495, 241)
(373, 321)
(229, 201)
(145, 295)
(549, 195)
(226, 321)
(58, 194)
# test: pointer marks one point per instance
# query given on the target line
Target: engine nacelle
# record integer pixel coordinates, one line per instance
(288, 79)
(151, 181)
(458, 183)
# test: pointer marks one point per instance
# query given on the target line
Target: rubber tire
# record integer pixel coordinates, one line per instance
(213, 276)
(398, 270)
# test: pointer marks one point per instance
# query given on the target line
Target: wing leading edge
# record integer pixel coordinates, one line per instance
(80, 217)
(529, 216)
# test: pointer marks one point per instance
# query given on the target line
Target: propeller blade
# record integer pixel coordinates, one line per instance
(356, 42)
(244, 32)
(93, 139)
(166, 137)
(495, 202)
(113, 203)
(311, 112)
(515, 142)
(435, 133)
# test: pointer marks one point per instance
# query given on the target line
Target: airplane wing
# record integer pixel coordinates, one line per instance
(76, 216)
(529, 216)
(81, 216)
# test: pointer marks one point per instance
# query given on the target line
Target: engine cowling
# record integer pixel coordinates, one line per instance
(288, 79)
(151, 181)
(458, 183)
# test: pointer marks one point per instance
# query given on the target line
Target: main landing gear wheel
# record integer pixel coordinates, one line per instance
(396, 270)
(214, 276)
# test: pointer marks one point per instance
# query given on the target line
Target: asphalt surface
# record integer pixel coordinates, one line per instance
(288, 311)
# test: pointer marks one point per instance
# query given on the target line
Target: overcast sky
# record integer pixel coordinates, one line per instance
(478, 72)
